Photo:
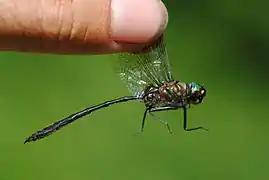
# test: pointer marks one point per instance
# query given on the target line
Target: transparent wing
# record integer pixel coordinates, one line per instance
(148, 67)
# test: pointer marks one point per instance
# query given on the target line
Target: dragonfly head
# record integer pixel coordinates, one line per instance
(197, 93)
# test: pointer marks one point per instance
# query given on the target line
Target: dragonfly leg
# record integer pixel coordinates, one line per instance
(185, 123)
(162, 108)
(144, 118)
(175, 107)
(150, 109)
(163, 122)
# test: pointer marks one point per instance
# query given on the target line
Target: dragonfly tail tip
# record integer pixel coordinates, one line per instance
(27, 140)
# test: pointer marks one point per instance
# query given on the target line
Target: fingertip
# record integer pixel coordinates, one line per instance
(137, 21)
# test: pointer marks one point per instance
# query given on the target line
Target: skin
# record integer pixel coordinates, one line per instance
(80, 26)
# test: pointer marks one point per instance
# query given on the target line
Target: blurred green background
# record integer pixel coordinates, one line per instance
(222, 44)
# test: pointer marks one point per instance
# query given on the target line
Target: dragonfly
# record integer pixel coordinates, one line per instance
(147, 75)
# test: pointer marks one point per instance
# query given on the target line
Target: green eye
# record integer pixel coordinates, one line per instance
(196, 87)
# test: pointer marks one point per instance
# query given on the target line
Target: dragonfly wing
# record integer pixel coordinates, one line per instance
(135, 78)
(149, 67)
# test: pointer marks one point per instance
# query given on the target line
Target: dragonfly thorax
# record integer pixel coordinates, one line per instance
(169, 93)
(174, 93)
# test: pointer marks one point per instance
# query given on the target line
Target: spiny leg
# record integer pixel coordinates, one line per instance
(150, 110)
(163, 108)
(185, 123)
(163, 122)
(177, 106)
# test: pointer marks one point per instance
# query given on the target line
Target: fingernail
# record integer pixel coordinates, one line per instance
(137, 21)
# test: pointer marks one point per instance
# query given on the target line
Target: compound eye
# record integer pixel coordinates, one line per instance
(194, 97)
